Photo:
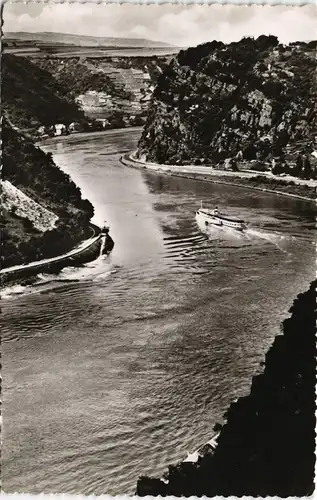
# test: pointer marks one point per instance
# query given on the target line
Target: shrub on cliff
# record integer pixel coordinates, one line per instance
(192, 56)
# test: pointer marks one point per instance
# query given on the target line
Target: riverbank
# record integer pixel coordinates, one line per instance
(46, 222)
(266, 448)
(86, 251)
(246, 180)
(199, 314)
(82, 135)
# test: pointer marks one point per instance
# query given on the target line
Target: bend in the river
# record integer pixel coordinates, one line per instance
(119, 367)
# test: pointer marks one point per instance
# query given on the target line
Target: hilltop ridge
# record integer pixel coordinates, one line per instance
(79, 40)
(252, 99)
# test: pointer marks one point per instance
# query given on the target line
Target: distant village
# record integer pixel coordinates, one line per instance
(104, 111)
(94, 125)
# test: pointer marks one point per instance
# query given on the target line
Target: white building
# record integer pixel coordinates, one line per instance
(60, 129)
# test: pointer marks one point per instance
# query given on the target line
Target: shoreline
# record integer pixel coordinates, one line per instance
(205, 176)
(75, 135)
(86, 251)
(249, 420)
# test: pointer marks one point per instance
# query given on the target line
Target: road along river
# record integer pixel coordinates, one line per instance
(117, 368)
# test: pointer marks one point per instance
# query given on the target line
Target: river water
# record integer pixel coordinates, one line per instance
(120, 367)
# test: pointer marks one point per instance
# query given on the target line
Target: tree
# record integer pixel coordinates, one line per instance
(286, 168)
(299, 166)
(307, 169)
(266, 42)
(28, 225)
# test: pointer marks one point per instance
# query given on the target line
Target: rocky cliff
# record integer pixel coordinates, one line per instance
(251, 99)
(267, 446)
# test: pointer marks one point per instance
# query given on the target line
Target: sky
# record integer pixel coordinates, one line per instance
(179, 25)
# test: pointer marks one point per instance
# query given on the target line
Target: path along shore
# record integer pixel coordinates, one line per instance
(86, 251)
(209, 174)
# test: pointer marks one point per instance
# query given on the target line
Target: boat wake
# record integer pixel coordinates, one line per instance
(275, 238)
(247, 235)
(96, 270)
(13, 291)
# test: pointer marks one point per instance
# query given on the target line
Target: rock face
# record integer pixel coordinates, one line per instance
(250, 98)
(14, 200)
(267, 445)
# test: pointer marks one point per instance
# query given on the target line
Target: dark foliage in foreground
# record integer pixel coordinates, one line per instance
(267, 446)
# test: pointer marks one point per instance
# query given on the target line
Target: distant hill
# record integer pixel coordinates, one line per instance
(79, 40)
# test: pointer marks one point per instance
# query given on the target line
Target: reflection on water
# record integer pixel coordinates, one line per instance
(117, 368)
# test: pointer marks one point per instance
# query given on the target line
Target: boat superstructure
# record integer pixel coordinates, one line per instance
(217, 218)
(105, 229)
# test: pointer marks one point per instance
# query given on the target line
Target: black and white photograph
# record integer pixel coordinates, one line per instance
(158, 249)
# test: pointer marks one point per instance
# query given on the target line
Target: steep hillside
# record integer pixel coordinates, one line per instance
(104, 86)
(31, 97)
(267, 446)
(47, 91)
(26, 237)
(18, 203)
(253, 98)
(44, 97)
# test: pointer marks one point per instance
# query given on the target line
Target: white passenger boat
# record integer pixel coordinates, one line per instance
(217, 218)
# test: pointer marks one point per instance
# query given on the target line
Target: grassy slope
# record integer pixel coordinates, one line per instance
(75, 76)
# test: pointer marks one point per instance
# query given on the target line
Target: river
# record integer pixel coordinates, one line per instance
(120, 367)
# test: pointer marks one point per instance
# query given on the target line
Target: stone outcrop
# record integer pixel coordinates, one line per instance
(248, 99)
(14, 200)
(267, 446)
